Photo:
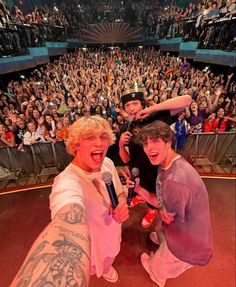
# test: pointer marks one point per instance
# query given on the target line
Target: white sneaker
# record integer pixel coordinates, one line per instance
(144, 260)
(154, 238)
(111, 276)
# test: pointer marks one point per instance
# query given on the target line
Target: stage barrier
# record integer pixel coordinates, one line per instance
(213, 152)
(207, 152)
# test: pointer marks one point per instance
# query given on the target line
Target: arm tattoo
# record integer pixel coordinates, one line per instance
(74, 216)
(73, 233)
(61, 268)
(34, 254)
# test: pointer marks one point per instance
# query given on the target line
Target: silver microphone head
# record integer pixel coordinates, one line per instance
(130, 119)
(107, 177)
(135, 172)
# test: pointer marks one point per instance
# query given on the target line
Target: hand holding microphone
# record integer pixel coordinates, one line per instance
(120, 211)
(127, 135)
(135, 174)
(130, 121)
(125, 139)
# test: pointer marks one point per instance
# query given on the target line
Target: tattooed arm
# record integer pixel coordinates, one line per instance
(60, 256)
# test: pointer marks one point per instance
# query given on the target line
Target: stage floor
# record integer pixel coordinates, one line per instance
(24, 214)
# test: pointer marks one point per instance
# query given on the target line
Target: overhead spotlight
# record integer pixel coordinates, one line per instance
(79, 6)
(140, 47)
(55, 8)
(22, 77)
(84, 49)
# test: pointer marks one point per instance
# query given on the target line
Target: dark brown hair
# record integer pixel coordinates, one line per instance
(155, 130)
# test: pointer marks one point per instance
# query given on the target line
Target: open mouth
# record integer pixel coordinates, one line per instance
(132, 116)
(97, 156)
(153, 156)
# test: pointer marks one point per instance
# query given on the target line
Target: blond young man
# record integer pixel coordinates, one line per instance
(84, 235)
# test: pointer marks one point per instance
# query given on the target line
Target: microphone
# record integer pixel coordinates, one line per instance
(107, 178)
(130, 121)
(135, 174)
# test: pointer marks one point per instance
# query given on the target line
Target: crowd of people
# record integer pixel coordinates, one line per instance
(212, 24)
(22, 27)
(42, 107)
(78, 14)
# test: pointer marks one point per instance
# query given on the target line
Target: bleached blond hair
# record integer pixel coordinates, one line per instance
(86, 125)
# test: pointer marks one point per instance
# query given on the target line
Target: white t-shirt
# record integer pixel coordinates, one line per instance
(74, 185)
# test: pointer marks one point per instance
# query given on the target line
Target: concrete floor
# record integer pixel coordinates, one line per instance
(25, 214)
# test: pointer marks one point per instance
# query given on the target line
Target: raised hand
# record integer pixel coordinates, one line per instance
(218, 91)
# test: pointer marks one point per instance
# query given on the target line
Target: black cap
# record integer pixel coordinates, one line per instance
(132, 95)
